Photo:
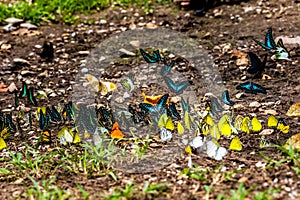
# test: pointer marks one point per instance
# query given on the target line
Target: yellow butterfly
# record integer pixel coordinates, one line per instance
(46, 136)
(224, 126)
(180, 128)
(165, 121)
(236, 144)
(99, 86)
(214, 132)
(279, 124)
(38, 111)
(67, 135)
(256, 125)
(246, 125)
(2, 143)
(187, 120)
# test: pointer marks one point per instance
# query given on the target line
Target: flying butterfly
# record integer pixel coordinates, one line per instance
(235, 144)
(225, 98)
(269, 41)
(176, 88)
(278, 124)
(167, 68)
(157, 109)
(151, 59)
(257, 66)
(250, 87)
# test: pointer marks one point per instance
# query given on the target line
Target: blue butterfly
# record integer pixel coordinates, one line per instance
(9, 123)
(55, 114)
(269, 41)
(215, 105)
(256, 65)
(176, 88)
(157, 109)
(42, 120)
(251, 87)
(226, 99)
(167, 67)
(172, 111)
(151, 59)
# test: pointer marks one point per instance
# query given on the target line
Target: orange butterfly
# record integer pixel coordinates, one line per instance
(116, 133)
(151, 99)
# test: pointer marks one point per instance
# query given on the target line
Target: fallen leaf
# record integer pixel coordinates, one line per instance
(294, 141)
(3, 88)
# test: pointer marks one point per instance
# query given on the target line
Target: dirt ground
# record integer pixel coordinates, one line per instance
(224, 31)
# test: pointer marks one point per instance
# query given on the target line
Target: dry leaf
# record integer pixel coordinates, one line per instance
(294, 141)
(294, 110)
(3, 88)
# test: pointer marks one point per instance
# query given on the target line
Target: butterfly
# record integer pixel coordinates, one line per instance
(165, 121)
(196, 145)
(68, 112)
(137, 116)
(165, 134)
(251, 87)
(9, 123)
(151, 59)
(172, 111)
(4, 132)
(116, 133)
(249, 126)
(235, 144)
(16, 99)
(24, 90)
(68, 135)
(224, 126)
(294, 142)
(99, 86)
(43, 122)
(157, 109)
(238, 122)
(19, 126)
(257, 66)
(180, 128)
(178, 87)
(185, 105)
(46, 136)
(2, 144)
(269, 41)
(294, 110)
(167, 68)
(214, 150)
(279, 124)
(128, 82)
(215, 132)
(225, 98)
(55, 114)
(30, 96)
(151, 99)
(281, 52)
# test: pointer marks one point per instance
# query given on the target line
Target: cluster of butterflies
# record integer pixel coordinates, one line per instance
(257, 66)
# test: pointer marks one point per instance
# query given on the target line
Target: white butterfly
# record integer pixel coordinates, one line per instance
(165, 134)
(215, 151)
(197, 142)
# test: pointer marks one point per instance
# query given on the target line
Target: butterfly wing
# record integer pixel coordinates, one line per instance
(2, 143)
(30, 96)
(180, 128)
(226, 99)
(151, 59)
(235, 144)
(165, 134)
(272, 121)
(167, 67)
(55, 114)
(256, 125)
(256, 64)
(258, 88)
(172, 111)
(269, 41)
(181, 86)
(24, 90)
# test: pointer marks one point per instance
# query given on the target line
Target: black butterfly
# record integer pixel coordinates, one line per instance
(19, 126)
(43, 122)
(176, 88)
(269, 41)
(256, 67)
(9, 123)
(251, 87)
(157, 109)
(172, 111)
(225, 98)
(151, 59)
(16, 99)
(30, 96)
(55, 114)
(48, 51)
(137, 116)
(68, 112)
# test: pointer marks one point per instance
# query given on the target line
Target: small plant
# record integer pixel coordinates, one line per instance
(195, 173)
(45, 189)
(266, 195)
(239, 194)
